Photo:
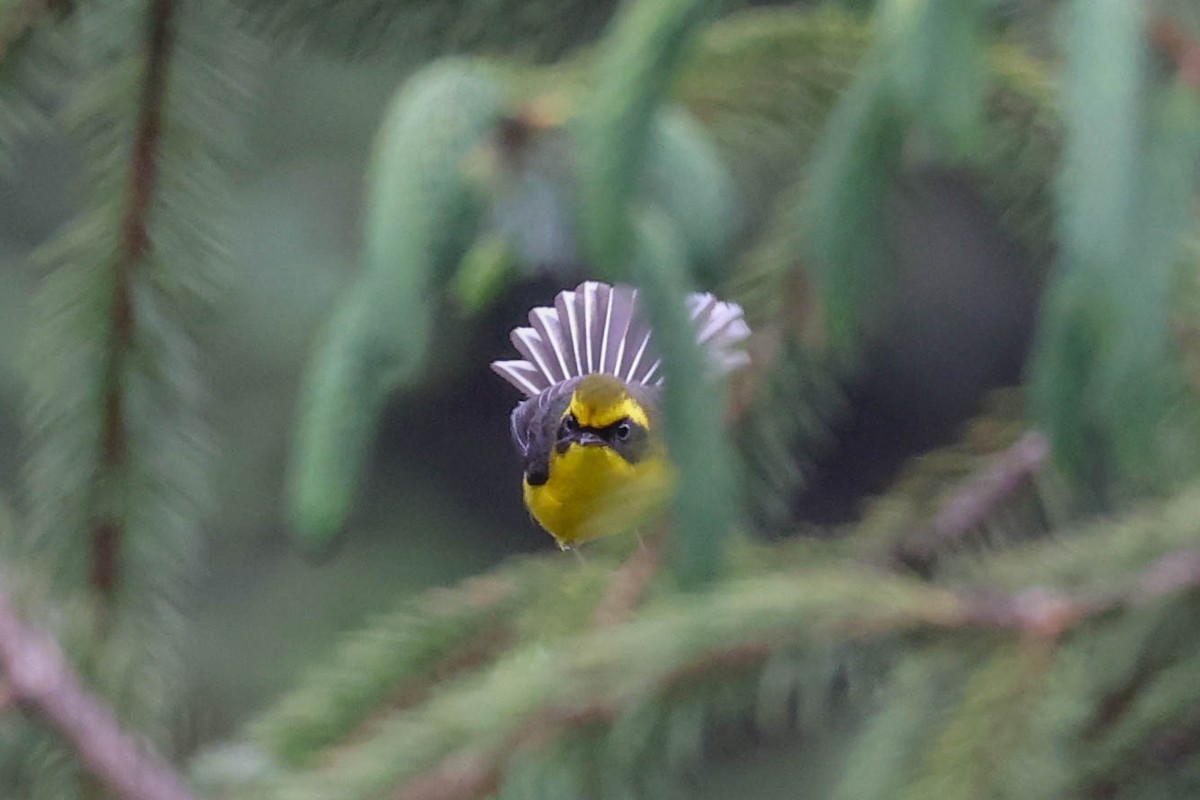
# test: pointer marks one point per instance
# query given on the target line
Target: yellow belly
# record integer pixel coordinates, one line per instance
(593, 491)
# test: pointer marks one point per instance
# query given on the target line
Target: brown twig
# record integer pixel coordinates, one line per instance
(1003, 476)
(629, 582)
(39, 679)
(1181, 49)
(108, 530)
(464, 774)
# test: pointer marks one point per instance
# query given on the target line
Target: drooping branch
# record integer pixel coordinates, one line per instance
(1004, 475)
(108, 530)
(472, 773)
(1036, 613)
(38, 679)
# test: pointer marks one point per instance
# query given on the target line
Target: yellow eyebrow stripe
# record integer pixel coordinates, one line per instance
(590, 416)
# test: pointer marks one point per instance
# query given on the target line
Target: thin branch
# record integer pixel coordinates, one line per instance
(108, 531)
(1181, 49)
(462, 775)
(39, 679)
(629, 582)
(1003, 476)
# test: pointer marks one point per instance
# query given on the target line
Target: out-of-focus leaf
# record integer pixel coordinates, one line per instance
(852, 172)
(984, 728)
(422, 210)
(705, 503)
(885, 754)
(485, 270)
(688, 181)
(1139, 378)
(633, 73)
(1102, 379)
(936, 64)
(410, 30)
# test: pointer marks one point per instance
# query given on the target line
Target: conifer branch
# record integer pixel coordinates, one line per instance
(1038, 613)
(463, 628)
(1003, 476)
(474, 653)
(475, 774)
(469, 774)
(107, 530)
(38, 678)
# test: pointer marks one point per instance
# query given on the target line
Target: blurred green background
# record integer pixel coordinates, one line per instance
(441, 499)
(982, 583)
(444, 481)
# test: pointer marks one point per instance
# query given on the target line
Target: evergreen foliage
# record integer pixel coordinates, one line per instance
(413, 30)
(979, 632)
(633, 75)
(116, 476)
(423, 212)
(1102, 375)
(974, 675)
(28, 59)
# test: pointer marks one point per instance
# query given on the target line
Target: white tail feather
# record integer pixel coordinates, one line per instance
(546, 325)
(565, 305)
(599, 328)
(523, 375)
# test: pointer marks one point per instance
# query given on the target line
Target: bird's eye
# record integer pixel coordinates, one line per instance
(570, 424)
(623, 430)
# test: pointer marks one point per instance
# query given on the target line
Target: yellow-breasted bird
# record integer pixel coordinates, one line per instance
(589, 431)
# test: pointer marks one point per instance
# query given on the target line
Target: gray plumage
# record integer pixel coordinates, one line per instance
(599, 328)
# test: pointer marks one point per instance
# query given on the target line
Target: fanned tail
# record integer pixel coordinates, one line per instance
(599, 328)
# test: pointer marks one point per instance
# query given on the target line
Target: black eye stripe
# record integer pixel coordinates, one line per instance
(614, 429)
(570, 424)
(629, 439)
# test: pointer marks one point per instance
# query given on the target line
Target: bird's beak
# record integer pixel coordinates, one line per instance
(589, 439)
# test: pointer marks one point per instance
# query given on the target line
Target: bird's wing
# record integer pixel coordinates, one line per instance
(534, 423)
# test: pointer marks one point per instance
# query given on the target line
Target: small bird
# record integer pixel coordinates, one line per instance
(589, 432)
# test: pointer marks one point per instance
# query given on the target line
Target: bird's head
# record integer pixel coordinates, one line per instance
(604, 413)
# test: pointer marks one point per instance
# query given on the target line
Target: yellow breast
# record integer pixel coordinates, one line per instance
(593, 491)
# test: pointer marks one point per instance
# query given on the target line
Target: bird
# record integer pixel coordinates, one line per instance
(589, 429)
